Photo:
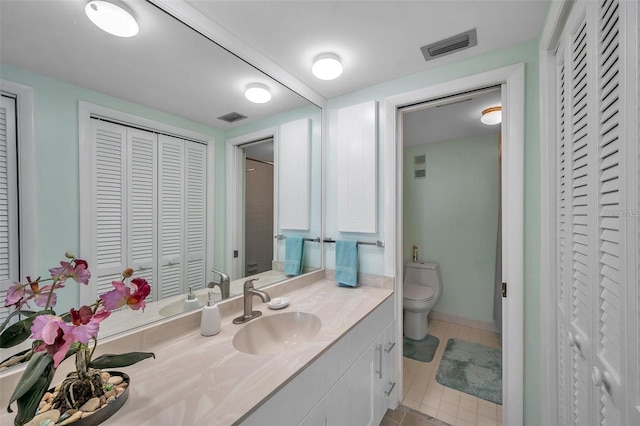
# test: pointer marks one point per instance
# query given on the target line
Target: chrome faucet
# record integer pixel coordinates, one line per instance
(249, 292)
(224, 284)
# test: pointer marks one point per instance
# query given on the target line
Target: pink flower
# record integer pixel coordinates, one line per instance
(78, 273)
(20, 294)
(122, 295)
(55, 334)
(17, 296)
(86, 324)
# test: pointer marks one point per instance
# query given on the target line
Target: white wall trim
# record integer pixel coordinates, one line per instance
(27, 179)
(87, 110)
(556, 18)
(554, 24)
(186, 13)
(513, 214)
(235, 198)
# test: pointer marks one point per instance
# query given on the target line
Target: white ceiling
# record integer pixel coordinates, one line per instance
(167, 66)
(457, 120)
(376, 40)
(171, 68)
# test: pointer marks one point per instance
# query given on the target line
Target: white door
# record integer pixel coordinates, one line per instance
(9, 247)
(171, 214)
(141, 212)
(597, 253)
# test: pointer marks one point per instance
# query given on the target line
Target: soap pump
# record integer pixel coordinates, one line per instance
(191, 302)
(210, 321)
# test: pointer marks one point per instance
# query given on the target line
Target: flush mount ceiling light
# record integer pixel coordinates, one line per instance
(111, 18)
(258, 93)
(491, 116)
(327, 66)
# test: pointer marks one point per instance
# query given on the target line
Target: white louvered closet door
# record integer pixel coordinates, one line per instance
(597, 244)
(581, 191)
(171, 215)
(9, 247)
(142, 202)
(109, 222)
(564, 242)
(608, 370)
(196, 214)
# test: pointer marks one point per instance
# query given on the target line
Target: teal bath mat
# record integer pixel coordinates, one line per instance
(472, 368)
(420, 350)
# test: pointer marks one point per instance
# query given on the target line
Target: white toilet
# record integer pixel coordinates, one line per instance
(421, 290)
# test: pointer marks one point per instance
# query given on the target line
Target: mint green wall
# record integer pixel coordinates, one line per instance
(56, 168)
(371, 258)
(452, 216)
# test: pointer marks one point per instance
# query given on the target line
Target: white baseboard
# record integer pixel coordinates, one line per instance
(468, 322)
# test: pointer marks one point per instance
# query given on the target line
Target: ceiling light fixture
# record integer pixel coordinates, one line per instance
(327, 66)
(491, 116)
(111, 18)
(258, 93)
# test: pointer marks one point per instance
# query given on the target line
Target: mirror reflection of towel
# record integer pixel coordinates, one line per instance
(293, 249)
(347, 263)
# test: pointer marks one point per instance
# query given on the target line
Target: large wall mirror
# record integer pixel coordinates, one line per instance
(163, 117)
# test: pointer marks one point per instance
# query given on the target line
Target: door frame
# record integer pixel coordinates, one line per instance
(235, 198)
(511, 78)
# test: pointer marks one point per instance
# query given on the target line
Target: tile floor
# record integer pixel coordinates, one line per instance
(404, 416)
(424, 394)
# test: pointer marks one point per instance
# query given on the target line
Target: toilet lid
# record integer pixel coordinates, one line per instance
(417, 292)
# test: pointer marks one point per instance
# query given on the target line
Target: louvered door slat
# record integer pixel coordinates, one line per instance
(564, 260)
(171, 215)
(580, 118)
(610, 281)
(110, 222)
(142, 209)
(196, 190)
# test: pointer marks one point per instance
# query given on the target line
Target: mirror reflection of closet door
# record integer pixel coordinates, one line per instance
(258, 207)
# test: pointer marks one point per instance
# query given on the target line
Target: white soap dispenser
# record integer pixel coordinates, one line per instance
(191, 302)
(210, 321)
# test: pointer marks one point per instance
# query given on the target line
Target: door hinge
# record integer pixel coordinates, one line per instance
(235, 254)
(504, 289)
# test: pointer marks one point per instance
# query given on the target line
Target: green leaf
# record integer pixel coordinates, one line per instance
(122, 360)
(20, 331)
(13, 314)
(40, 366)
(28, 403)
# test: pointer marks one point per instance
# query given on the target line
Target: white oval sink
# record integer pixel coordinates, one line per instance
(276, 333)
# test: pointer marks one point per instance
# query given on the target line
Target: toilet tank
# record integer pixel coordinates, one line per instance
(426, 274)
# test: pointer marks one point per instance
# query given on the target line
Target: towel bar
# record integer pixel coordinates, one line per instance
(283, 237)
(360, 243)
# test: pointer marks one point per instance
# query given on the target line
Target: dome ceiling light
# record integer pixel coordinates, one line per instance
(258, 93)
(111, 18)
(492, 116)
(327, 66)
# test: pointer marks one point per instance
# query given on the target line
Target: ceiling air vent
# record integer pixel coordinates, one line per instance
(232, 116)
(451, 45)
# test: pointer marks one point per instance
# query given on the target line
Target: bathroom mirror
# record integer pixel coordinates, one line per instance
(169, 74)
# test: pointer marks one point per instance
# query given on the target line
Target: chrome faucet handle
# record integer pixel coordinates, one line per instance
(249, 292)
(224, 284)
(249, 283)
(223, 276)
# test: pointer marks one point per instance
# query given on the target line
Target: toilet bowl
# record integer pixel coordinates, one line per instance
(421, 290)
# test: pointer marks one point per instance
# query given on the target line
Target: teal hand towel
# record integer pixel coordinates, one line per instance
(347, 263)
(293, 255)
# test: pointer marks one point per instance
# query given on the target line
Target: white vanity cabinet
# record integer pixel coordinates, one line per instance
(345, 385)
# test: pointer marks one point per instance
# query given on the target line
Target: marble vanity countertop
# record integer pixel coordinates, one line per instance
(198, 380)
